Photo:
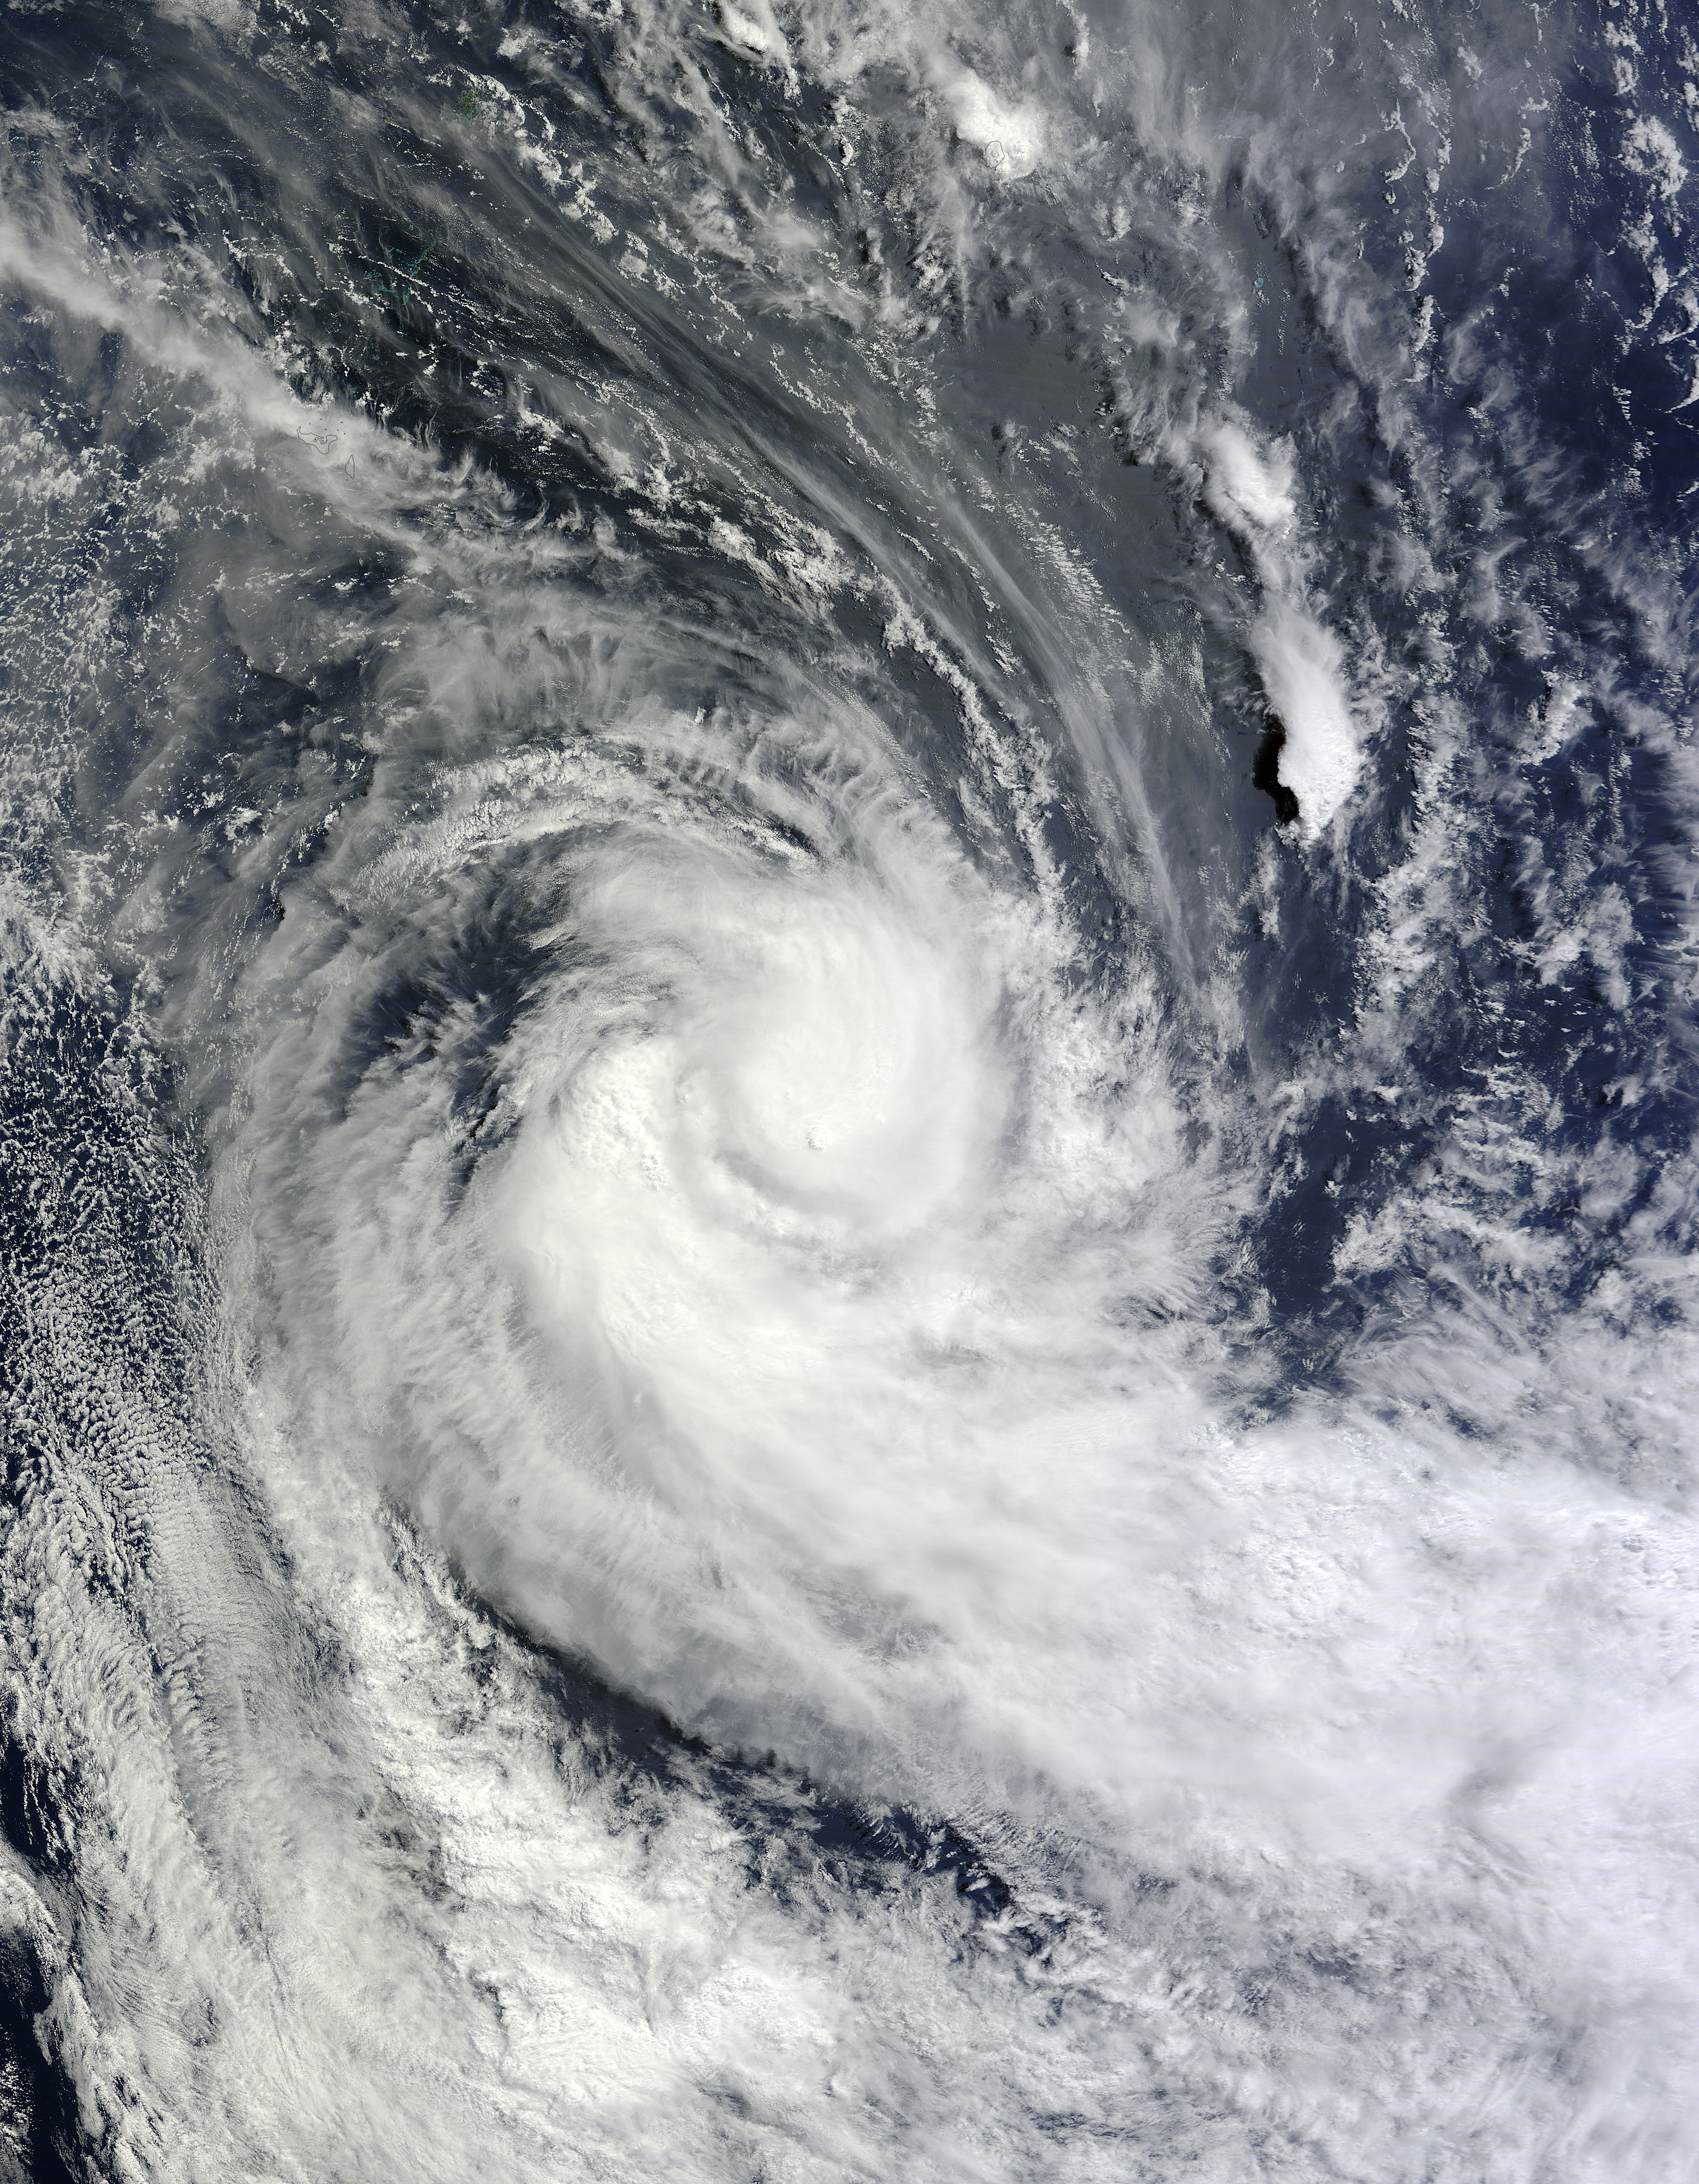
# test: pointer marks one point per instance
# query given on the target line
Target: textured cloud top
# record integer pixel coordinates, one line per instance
(846, 1144)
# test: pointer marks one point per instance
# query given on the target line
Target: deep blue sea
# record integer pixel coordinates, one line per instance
(847, 952)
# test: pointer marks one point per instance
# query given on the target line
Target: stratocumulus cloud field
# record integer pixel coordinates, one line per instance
(847, 1122)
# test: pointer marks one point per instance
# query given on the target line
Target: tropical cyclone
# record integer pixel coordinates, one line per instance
(847, 1120)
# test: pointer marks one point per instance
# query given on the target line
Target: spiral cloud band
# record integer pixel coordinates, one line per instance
(847, 1126)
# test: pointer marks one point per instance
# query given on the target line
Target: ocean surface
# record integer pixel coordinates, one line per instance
(848, 1074)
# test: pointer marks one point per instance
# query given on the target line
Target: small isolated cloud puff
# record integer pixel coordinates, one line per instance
(1303, 673)
(1650, 150)
(1252, 492)
(753, 30)
(1008, 139)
